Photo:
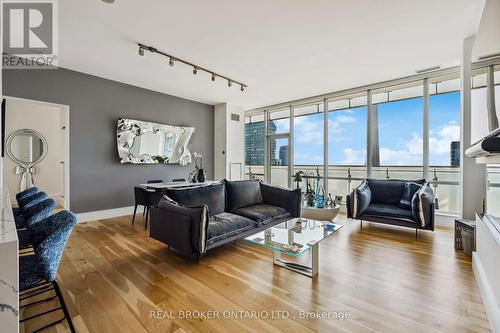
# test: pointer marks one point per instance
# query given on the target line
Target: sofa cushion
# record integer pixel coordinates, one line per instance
(211, 195)
(385, 210)
(261, 213)
(242, 193)
(410, 189)
(386, 191)
(226, 224)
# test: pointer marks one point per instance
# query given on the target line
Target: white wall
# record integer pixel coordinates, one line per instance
(48, 120)
(229, 142)
(488, 34)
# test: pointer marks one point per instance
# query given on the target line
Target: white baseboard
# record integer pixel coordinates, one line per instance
(105, 214)
(489, 302)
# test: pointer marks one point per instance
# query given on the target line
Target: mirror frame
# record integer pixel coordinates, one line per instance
(26, 131)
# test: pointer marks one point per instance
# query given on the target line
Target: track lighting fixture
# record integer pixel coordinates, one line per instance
(172, 60)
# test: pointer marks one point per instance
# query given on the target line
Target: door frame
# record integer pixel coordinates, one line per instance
(267, 167)
(66, 142)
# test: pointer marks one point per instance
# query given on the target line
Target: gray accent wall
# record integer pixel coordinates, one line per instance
(98, 180)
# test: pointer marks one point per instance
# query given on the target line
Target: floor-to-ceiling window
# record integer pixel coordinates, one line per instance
(397, 132)
(347, 118)
(401, 123)
(444, 142)
(254, 146)
(308, 143)
(278, 146)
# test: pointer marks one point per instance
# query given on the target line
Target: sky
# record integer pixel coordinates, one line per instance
(400, 133)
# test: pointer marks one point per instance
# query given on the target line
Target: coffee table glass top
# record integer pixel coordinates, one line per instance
(295, 236)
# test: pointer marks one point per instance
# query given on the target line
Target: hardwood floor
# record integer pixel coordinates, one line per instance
(114, 277)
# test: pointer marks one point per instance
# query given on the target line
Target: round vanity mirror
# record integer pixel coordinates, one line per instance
(26, 147)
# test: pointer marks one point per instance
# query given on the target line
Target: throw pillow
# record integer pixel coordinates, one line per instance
(410, 189)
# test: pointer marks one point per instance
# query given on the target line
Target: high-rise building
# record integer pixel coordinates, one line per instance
(284, 155)
(455, 153)
(254, 142)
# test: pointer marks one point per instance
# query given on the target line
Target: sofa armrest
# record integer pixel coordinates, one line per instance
(281, 197)
(183, 228)
(358, 200)
(422, 206)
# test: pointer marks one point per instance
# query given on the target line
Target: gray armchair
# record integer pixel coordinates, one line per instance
(396, 202)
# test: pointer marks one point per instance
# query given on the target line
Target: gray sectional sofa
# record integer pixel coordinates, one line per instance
(194, 220)
(398, 202)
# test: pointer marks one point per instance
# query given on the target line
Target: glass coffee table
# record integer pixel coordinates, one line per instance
(294, 238)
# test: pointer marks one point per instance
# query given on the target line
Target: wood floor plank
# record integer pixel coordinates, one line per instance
(114, 278)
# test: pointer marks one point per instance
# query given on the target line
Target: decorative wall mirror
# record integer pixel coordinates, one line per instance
(27, 148)
(142, 142)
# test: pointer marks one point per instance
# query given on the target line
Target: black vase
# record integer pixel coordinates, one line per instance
(201, 176)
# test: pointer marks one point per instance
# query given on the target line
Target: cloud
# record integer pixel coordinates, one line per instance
(344, 119)
(308, 130)
(409, 152)
(308, 159)
(353, 157)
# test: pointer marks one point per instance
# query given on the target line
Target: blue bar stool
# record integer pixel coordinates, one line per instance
(25, 205)
(32, 215)
(37, 272)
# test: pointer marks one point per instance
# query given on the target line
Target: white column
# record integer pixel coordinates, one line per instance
(369, 121)
(229, 137)
(267, 170)
(425, 134)
(291, 133)
(325, 145)
(472, 175)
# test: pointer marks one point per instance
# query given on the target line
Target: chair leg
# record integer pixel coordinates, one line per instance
(63, 305)
(144, 211)
(416, 233)
(147, 215)
(135, 211)
(361, 224)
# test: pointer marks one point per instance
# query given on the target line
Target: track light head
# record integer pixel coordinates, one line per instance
(195, 70)
(213, 78)
(242, 88)
(229, 83)
(141, 51)
(171, 61)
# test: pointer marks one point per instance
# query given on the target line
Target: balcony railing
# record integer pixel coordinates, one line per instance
(342, 179)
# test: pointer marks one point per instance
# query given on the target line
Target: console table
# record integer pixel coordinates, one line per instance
(9, 266)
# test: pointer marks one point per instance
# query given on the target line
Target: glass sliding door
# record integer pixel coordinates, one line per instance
(278, 161)
(254, 147)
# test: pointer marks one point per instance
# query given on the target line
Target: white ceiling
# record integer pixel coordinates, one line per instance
(283, 49)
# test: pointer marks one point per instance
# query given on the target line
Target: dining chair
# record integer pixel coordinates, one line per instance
(37, 272)
(146, 198)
